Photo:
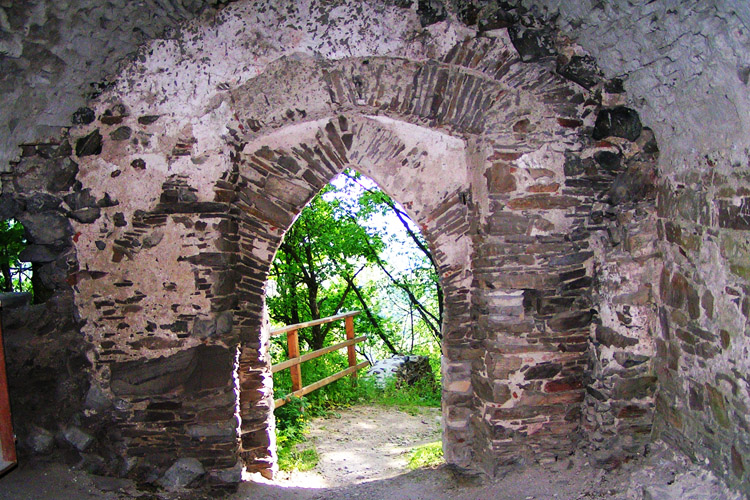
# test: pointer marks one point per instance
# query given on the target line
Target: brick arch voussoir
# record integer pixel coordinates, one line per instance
(452, 94)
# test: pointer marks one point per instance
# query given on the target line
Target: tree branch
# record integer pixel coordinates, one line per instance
(370, 316)
(404, 218)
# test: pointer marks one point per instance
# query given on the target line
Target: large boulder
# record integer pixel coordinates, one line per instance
(406, 370)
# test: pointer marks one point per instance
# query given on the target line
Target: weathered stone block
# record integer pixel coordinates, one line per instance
(89, 145)
(37, 253)
(46, 228)
(501, 366)
(676, 292)
(491, 390)
(571, 320)
(226, 430)
(503, 223)
(734, 215)
(203, 328)
(37, 174)
(543, 202)
(83, 116)
(634, 388)
(737, 463)
(608, 160)
(40, 441)
(618, 122)
(198, 368)
(148, 119)
(571, 383)
(500, 179)
(431, 12)
(531, 44)
(628, 360)
(492, 17)
(96, 399)
(181, 474)
(77, 437)
(718, 406)
(542, 371)
(581, 69)
(574, 165)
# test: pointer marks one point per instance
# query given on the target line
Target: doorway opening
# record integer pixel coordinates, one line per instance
(353, 248)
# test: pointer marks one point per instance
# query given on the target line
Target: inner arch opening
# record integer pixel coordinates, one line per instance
(353, 248)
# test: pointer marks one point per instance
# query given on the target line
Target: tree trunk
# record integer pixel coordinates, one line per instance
(7, 279)
(403, 218)
(317, 338)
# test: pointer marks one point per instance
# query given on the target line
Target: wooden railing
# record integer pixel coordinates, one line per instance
(295, 360)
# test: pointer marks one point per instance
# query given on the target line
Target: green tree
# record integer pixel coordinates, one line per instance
(333, 259)
(14, 274)
(316, 266)
(419, 284)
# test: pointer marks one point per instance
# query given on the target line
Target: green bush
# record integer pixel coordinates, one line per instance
(345, 393)
(293, 459)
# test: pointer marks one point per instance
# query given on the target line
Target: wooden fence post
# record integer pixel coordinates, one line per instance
(351, 353)
(292, 342)
(295, 359)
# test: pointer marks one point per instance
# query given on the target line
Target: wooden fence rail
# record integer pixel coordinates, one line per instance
(295, 360)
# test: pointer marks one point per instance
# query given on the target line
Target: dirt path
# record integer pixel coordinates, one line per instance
(364, 454)
(365, 443)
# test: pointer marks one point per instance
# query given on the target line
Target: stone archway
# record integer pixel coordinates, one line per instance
(448, 96)
(506, 344)
(285, 169)
(191, 201)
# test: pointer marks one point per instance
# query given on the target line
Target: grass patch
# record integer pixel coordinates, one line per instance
(292, 459)
(293, 417)
(409, 399)
(427, 455)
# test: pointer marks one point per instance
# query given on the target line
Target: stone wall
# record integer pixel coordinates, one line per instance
(703, 346)
(506, 195)
(685, 68)
(517, 152)
(620, 380)
(56, 55)
(48, 360)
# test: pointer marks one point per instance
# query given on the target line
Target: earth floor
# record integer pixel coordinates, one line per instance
(363, 455)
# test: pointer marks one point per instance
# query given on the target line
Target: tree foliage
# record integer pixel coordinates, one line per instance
(15, 276)
(316, 265)
(336, 258)
(419, 281)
